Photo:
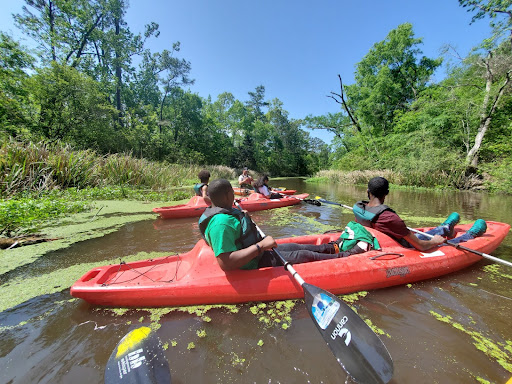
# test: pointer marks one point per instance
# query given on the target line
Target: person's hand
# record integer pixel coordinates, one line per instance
(267, 243)
(437, 240)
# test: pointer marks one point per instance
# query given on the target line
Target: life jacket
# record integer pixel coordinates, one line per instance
(355, 233)
(197, 188)
(250, 234)
(366, 215)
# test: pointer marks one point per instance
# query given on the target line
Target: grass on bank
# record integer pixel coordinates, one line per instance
(40, 182)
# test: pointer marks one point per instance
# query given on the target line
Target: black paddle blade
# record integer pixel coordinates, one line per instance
(138, 358)
(313, 202)
(356, 347)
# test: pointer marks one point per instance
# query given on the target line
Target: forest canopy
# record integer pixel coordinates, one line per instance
(93, 84)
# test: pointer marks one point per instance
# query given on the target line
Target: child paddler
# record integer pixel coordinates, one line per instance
(201, 188)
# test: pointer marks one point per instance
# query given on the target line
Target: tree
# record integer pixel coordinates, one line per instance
(495, 64)
(14, 63)
(500, 13)
(389, 78)
(257, 101)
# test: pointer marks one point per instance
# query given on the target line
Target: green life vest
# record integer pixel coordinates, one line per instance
(197, 188)
(354, 233)
(366, 215)
(250, 234)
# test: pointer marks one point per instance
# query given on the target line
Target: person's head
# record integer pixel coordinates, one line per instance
(204, 176)
(378, 187)
(245, 171)
(221, 193)
(261, 181)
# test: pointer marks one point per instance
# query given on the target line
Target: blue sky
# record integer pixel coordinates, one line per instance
(295, 48)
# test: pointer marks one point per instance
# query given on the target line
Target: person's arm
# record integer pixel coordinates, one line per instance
(424, 245)
(204, 192)
(229, 261)
(264, 191)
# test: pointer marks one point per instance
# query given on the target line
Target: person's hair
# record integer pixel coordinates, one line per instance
(378, 186)
(260, 181)
(204, 176)
(217, 189)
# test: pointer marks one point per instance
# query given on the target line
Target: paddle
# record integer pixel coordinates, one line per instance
(485, 255)
(138, 359)
(356, 347)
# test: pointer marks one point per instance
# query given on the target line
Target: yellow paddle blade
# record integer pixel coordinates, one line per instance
(132, 339)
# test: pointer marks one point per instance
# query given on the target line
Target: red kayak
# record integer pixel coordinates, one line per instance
(196, 278)
(247, 192)
(255, 202)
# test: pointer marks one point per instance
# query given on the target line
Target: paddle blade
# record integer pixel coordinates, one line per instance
(138, 358)
(356, 347)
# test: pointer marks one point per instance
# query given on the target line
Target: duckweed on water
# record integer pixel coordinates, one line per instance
(496, 270)
(497, 351)
(236, 360)
(353, 297)
(201, 333)
(19, 290)
(76, 228)
(284, 217)
(191, 345)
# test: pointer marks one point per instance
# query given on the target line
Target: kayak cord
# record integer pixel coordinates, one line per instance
(121, 263)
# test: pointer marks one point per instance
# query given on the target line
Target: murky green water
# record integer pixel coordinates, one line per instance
(454, 329)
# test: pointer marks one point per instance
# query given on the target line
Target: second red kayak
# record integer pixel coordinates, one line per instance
(247, 191)
(255, 202)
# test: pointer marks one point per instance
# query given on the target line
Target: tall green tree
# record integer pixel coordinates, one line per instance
(389, 78)
(257, 101)
(15, 61)
(495, 65)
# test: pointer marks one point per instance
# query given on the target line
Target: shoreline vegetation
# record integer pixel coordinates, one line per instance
(40, 183)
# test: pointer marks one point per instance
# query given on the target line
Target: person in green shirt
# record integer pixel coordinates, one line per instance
(237, 244)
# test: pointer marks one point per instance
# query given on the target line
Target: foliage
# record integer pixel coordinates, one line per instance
(27, 215)
(14, 64)
(41, 167)
(389, 78)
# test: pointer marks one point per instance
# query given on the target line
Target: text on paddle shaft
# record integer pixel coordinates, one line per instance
(342, 332)
(131, 361)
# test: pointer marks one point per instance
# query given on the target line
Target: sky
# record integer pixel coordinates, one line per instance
(294, 48)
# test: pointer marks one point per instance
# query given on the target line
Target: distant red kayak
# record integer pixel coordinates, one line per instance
(255, 202)
(246, 191)
(196, 278)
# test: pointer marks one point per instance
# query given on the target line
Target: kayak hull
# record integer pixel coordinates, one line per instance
(196, 278)
(255, 202)
(246, 191)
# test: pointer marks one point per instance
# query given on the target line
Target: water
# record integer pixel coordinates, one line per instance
(50, 339)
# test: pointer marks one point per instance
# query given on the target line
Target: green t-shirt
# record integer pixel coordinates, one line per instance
(222, 232)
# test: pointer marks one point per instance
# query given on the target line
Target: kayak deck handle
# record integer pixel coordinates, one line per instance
(386, 254)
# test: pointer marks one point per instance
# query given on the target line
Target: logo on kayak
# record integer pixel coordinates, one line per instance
(342, 332)
(399, 271)
(324, 309)
(130, 362)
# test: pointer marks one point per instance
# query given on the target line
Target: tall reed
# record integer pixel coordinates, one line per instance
(38, 167)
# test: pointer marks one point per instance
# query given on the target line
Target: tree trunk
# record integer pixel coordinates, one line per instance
(487, 113)
(118, 74)
(51, 17)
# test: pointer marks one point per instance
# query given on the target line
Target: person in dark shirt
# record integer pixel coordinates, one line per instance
(373, 213)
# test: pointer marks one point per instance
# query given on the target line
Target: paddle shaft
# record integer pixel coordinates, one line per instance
(361, 354)
(485, 255)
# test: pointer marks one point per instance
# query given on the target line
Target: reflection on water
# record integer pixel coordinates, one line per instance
(58, 340)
